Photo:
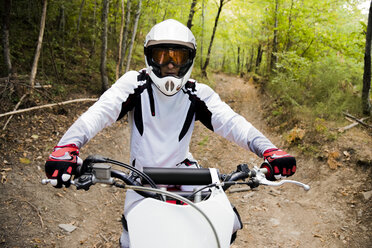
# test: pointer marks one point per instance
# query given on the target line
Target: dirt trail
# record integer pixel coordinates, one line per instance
(334, 213)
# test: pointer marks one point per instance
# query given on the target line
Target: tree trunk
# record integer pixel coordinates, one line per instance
(39, 44)
(259, 58)
(202, 38)
(78, 22)
(6, 24)
(138, 13)
(191, 15)
(204, 69)
(125, 37)
(104, 78)
(93, 48)
(274, 57)
(61, 26)
(250, 61)
(238, 62)
(366, 104)
(287, 44)
(113, 24)
(80, 14)
(120, 39)
(223, 62)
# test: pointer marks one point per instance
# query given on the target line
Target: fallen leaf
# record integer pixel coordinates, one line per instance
(59, 194)
(332, 160)
(36, 240)
(344, 193)
(3, 178)
(24, 160)
(335, 155)
(333, 164)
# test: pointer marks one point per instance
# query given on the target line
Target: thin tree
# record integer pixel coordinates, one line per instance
(6, 24)
(125, 37)
(206, 63)
(94, 35)
(78, 21)
(274, 57)
(120, 39)
(80, 14)
(238, 62)
(104, 78)
(39, 44)
(202, 37)
(138, 13)
(191, 14)
(288, 42)
(258, 58)
(250, 61)
(61, 28)
(367, 67)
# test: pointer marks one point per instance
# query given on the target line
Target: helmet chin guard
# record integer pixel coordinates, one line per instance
(169, 85)
(169, 33)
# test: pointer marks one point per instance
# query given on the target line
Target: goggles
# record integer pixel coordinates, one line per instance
(164, 56)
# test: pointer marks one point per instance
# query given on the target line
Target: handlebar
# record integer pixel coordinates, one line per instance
(96, 169)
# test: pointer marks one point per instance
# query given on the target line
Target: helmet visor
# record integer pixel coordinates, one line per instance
(177, 56)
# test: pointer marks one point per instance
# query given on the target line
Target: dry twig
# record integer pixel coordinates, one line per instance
(49, 105)
(357, 120)
(37, 211)
(20, 222)
(15, 108)
(353, 124)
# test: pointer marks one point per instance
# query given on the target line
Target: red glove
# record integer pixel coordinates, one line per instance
(61, 164)
(278, 163)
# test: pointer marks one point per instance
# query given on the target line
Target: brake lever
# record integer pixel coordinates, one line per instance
(261, 179)
(82, 182)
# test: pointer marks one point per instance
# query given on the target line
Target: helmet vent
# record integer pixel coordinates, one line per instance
(169, 85)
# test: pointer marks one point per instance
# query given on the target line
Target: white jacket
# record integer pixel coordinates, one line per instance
(162, 125)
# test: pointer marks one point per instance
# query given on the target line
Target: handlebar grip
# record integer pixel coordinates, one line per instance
(268, 170)
(264, 170)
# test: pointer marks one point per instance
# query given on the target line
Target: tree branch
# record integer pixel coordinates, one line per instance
(15, 108)
(49, 105)
(357, 120)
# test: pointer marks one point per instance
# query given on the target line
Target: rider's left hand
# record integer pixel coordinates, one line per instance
(279, 164)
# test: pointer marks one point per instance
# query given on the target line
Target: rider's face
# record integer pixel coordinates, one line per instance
(169, 70)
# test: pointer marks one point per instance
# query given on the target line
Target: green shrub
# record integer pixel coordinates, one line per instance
(326, 87)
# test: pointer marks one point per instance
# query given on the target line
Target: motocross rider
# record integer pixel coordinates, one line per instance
(163, 103)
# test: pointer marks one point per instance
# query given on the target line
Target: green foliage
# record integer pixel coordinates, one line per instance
(320, 46)
(327, 87)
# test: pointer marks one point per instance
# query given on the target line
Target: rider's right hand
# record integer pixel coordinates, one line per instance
(61, 164)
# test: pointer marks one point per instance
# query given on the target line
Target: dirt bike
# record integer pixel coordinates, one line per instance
(204, 218)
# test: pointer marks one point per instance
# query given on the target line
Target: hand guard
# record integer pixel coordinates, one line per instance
(61, 165)
(279, 164)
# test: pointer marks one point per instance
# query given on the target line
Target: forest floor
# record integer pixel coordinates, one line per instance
(336, 212)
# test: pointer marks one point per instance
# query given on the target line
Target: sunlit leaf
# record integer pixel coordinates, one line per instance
(24, 160)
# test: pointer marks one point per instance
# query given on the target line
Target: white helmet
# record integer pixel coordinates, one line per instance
(170, 42)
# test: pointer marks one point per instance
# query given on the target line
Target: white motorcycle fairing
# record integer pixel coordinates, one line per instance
(154, 223)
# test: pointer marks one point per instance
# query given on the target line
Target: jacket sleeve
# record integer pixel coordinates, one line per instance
(231, 125)
(102, 113)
